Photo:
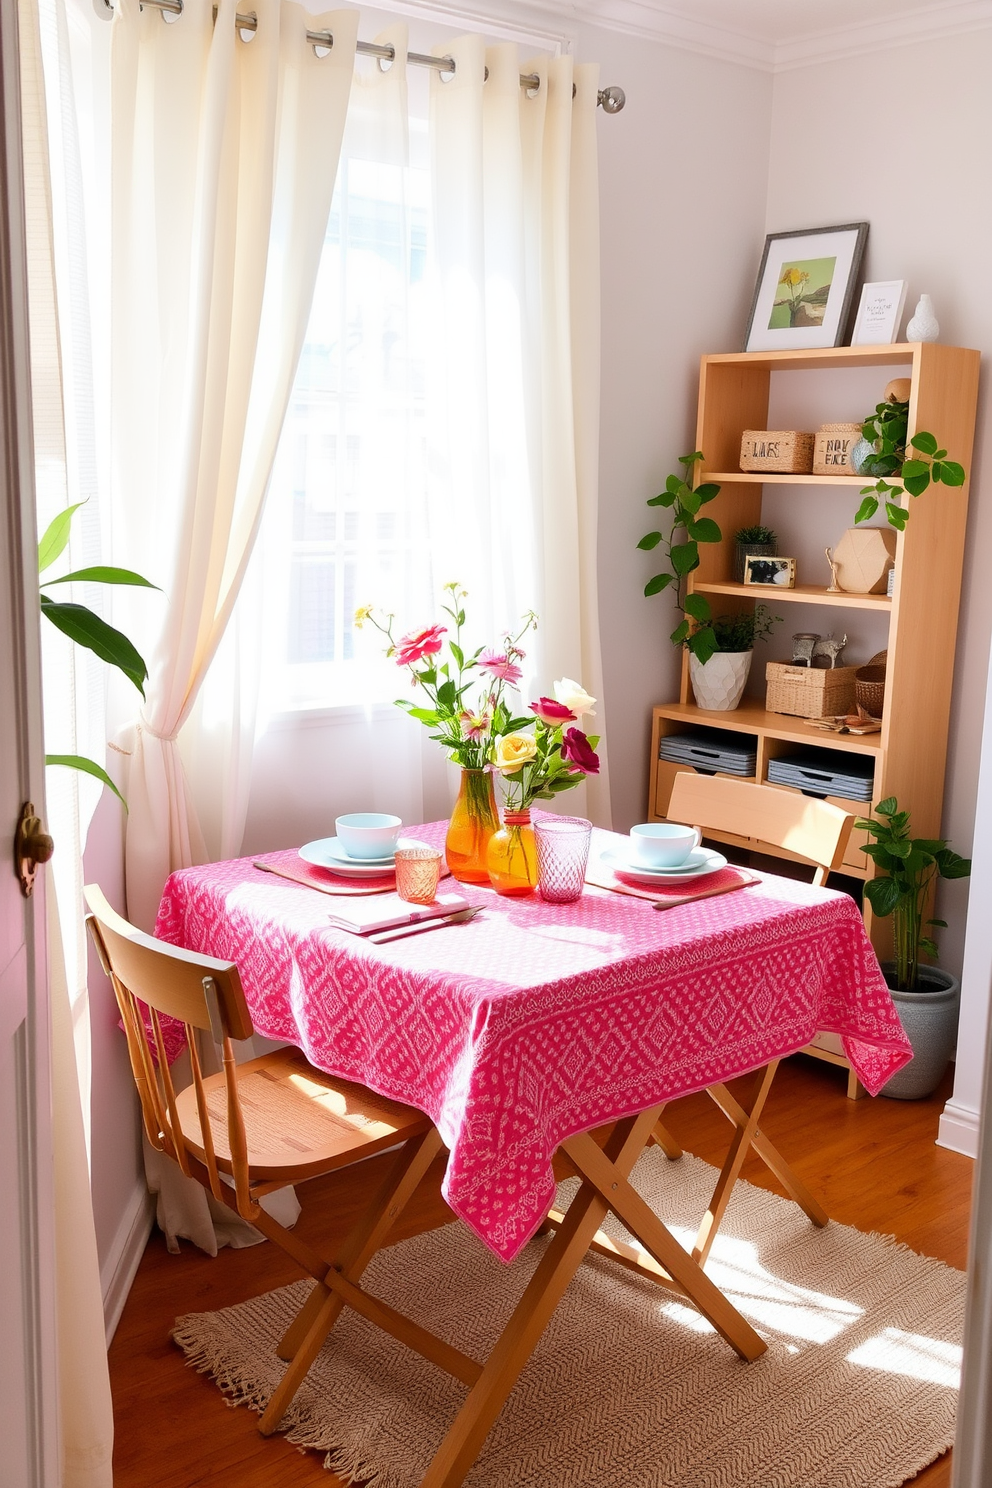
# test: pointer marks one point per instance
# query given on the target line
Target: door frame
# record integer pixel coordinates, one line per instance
(31, 1205)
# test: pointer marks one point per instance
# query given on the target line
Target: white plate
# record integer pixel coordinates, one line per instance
(335, 850)
(700, 862)
(319, 854)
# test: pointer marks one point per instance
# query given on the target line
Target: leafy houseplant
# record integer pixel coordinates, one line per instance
(85, 628)
(752, 542)
(887, 429)
(926, 997)
(688, 529)
(719, 681)
(912, 864)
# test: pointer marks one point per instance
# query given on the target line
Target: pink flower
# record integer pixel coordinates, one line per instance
(552, 713)
(474, 726)
(498, 664)
(575, 748)
(420, 644)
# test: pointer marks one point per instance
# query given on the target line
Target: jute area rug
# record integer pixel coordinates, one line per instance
(628, 1388)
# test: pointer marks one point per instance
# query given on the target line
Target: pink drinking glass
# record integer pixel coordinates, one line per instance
(562, 855)
(418, 871)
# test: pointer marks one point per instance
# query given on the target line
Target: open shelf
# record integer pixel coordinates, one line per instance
(765, 478)
(752, 718)
(801, 594)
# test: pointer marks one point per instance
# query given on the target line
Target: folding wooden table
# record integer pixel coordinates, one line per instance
(524, 1032)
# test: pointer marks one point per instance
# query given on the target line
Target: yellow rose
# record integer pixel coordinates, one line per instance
(513, 751)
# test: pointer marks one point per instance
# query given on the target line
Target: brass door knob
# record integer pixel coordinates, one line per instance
(32, 847)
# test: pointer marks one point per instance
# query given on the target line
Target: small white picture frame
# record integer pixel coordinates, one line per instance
(779, 572)
(880, 313)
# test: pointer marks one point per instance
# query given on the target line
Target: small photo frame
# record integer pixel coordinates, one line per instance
(780, 573)
(879, 313)
(805, 288)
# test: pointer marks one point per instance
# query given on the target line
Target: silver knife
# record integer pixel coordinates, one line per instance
(458, 918)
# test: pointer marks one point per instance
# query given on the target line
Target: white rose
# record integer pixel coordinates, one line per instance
(574, 696)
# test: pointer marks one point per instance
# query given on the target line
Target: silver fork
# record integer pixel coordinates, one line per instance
(459, 917)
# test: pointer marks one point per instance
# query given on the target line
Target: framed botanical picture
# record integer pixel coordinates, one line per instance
(805, 288)
(879, 313)
(778, 571)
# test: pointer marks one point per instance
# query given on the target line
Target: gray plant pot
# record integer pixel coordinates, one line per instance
(750, 550)
(930, 1020)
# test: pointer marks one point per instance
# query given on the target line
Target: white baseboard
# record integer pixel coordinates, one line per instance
(128, 1246)
(958, 1129)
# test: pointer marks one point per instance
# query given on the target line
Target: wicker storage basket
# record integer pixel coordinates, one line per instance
(832, 449)
(777, 451)
(869, 685)
(809, 692)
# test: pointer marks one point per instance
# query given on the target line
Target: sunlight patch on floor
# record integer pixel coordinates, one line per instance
(911, 1354)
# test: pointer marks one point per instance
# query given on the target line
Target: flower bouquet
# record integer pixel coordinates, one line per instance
(464, 704)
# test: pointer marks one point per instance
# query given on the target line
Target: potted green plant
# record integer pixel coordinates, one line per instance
(718, 682)
(882, 452)
(753, 542)
(681, 551)
(926, 997)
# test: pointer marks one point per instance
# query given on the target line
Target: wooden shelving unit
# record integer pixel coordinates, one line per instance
(910, 752)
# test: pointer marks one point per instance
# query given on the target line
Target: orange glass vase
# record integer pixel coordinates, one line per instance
(472, 824)
(512, 856)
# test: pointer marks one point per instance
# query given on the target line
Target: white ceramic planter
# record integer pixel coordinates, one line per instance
(719, 683)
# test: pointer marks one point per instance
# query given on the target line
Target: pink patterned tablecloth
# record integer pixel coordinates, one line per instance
(536, 1021)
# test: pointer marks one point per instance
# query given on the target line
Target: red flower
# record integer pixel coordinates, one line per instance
(420, 644)
(552, 713)
(575, 748)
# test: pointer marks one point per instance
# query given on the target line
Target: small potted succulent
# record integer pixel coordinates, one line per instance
(718, 682)
(926, 997)
(752, 542)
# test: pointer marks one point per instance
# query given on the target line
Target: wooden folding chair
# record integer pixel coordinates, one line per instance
(814, 830)
(276, 1120)
(261, 1125)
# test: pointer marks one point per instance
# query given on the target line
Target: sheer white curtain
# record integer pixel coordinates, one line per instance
(225, 146)
(444, 423)
(517, 350)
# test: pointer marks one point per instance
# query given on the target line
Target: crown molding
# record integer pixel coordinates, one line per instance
(929, 23)
(673, 27)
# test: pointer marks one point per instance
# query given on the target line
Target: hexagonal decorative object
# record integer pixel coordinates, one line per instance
(861, 561)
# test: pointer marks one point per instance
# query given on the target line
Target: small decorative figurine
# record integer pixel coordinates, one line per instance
(829, 647)
(923, 326)
(833, 587)
(802, 647)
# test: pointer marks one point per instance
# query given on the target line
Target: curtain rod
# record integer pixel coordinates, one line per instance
(610, 100)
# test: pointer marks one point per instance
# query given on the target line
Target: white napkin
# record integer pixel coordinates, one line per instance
(365, 916)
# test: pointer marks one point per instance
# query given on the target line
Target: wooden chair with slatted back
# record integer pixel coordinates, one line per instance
(811, 829)
(255, 1127)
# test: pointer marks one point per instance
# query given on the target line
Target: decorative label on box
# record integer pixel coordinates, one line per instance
(777, 451)
(832, 448)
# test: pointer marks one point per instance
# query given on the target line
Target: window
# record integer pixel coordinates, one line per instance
(346, 521)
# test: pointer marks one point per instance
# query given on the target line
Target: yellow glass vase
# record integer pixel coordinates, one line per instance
(512, 856)
(472, 824)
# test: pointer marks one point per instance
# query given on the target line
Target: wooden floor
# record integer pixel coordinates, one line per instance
(873, 1164)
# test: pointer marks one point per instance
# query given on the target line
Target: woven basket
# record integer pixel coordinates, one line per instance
(832, 448)
(809, 692)
(869, 684)
(777, 451)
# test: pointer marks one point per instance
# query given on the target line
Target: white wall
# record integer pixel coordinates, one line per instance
(902, 140)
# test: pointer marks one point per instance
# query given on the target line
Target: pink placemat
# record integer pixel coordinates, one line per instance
(537, 1021)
